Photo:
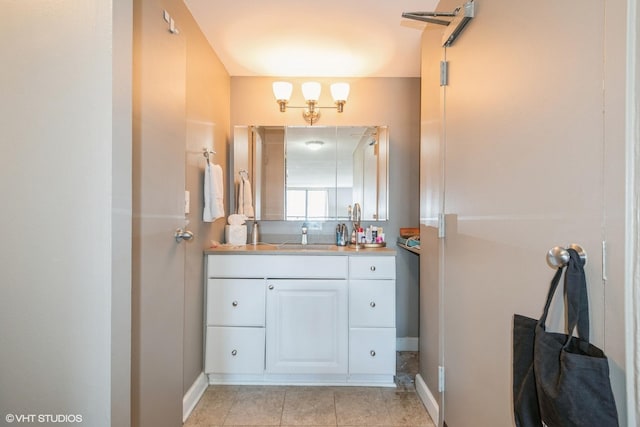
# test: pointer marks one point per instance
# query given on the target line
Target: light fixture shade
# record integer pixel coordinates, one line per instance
(340, 91)
(311, 91)
(282, 90)
(314, 145)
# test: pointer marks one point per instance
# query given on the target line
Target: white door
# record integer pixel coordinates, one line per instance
(158, 210)
(307, 327)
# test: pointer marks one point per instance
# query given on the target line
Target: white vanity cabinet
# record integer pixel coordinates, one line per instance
(303, 318)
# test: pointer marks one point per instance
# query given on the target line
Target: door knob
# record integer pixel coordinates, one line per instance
(183, 235)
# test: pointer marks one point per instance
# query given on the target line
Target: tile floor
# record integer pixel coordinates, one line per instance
(315, 406)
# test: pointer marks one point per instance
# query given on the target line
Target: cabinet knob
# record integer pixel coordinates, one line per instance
(372, 304)
(270, 287)
(372, 353)
(235, 303)
(373, 268)
(234, 352)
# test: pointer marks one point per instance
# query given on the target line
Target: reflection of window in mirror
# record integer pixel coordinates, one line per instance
(307, 205)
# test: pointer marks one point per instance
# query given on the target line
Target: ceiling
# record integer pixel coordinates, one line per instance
(331, 38)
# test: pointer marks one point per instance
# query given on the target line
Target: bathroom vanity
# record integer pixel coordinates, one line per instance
(279, 315)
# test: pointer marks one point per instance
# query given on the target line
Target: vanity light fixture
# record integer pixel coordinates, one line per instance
(311, 92)
(314, 145)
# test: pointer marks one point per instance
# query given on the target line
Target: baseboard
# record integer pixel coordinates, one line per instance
(407, 344)
(428, 400)
(193, 395)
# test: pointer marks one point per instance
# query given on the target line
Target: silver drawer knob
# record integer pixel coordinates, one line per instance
(372, 268)
(271, 287)
(372, 353)
(235, 303)
(372, 304)
(234, 352)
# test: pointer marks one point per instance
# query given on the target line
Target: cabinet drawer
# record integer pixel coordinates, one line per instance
(372, 351)
(372, 303)
(235, 302)
(277, 266)
(234, 350)
(372, 267)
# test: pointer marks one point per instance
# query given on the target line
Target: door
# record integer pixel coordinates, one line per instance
(158, 210)
(521, 140)
(307, 327)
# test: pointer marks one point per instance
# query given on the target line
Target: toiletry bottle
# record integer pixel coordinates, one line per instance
(254, 234)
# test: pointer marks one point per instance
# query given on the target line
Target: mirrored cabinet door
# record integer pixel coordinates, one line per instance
(312, 173)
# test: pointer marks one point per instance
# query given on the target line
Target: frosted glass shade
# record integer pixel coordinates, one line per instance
(282, 90)
(340, 91)
(311, 91)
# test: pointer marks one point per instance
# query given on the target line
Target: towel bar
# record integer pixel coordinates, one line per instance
(559, 256)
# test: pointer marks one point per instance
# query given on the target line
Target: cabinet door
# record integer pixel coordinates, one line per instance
(307, 327)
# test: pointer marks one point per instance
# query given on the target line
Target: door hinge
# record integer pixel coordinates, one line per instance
(604, 261)
(440, 379)
(441, 226)
(444, 73)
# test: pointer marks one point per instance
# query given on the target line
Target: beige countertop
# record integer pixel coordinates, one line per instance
(296, 249)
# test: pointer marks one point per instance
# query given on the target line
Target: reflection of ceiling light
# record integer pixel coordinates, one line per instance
(311, 93)
(314, 145)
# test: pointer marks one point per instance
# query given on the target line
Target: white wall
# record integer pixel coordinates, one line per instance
(59, 120)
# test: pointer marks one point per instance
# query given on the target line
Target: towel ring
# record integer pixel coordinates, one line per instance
(559, 257)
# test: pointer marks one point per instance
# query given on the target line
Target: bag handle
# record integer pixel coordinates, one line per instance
(552, 290)
(577, 301)
(575, 289)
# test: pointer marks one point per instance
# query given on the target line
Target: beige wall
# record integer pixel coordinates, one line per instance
(207, 124)
(525, 160)
(66, 147)
(372, 101)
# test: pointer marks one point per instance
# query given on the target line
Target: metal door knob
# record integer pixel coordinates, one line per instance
(372, 304)
(235, 303)
(183, 235)
(372, 353)
(373, 268)
(234, 352)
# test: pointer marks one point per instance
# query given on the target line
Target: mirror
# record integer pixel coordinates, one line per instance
(312, 173)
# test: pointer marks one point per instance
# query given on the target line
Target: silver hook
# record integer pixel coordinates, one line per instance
(559, 257)
(206, 152)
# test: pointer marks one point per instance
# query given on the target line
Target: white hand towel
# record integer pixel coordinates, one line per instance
(213, 193)
(246, 199)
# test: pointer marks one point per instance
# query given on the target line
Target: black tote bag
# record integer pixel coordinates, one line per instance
(525, 394)
(570, 376)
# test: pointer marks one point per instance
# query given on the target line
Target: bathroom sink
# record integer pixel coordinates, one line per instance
(308, 247)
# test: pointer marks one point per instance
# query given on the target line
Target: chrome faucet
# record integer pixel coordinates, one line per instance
(304, 234)
(356, 217)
